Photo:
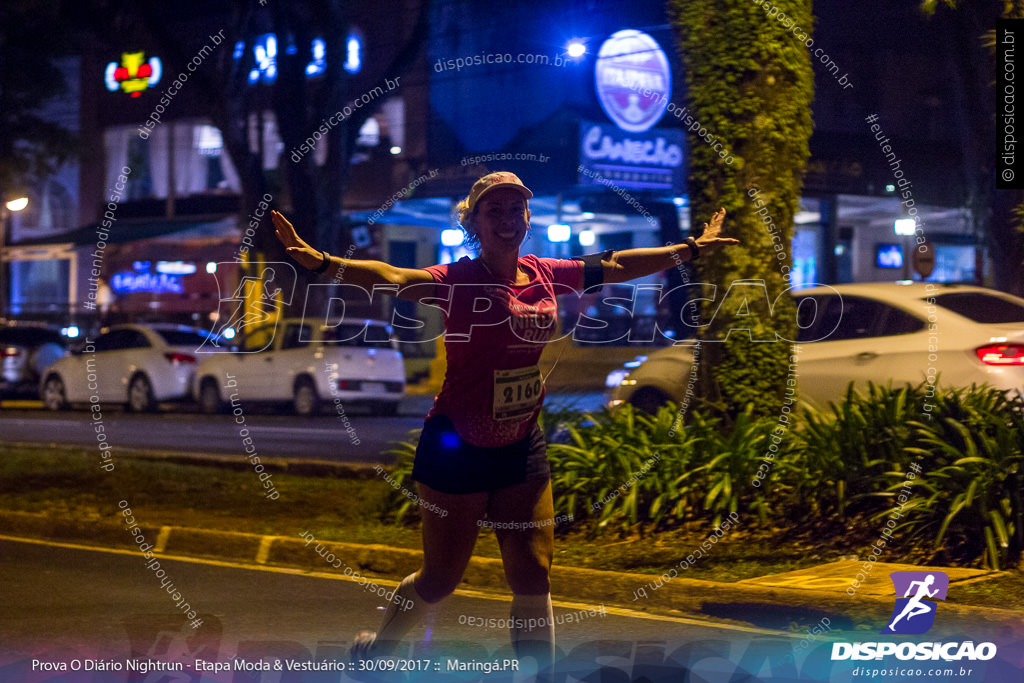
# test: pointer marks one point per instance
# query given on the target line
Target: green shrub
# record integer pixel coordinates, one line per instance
(622, 468)
(401, 509)
(732, 454)
(966, 503)
(844, 451)
(630, 471)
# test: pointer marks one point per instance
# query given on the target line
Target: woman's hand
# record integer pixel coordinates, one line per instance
(305, 255)
(710, 239)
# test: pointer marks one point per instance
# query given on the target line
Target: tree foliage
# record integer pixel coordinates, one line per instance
(998, 214)
(239, 109)
(750, 84)
(31, 147)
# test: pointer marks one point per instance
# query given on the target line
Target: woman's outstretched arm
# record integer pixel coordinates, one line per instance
(630, 264)
(363, 273)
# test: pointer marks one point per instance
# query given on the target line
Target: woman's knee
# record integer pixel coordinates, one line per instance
(436, 585)
(529, 574)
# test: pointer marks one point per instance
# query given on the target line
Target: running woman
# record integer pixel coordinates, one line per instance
(481, 452)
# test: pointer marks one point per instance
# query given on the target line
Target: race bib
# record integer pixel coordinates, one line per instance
(516, 393)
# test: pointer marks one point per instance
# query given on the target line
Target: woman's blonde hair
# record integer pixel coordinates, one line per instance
(467, 221)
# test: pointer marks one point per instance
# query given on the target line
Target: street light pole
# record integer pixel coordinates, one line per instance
(4, 216)
(905, 228)
(6, 226)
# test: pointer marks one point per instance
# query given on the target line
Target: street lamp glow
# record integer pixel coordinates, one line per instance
(452, 237)
(559, 232)
(17, 204)
(904, 226)
(576, 49)
(587, 238)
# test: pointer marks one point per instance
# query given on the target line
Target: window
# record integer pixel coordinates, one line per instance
(200, 166)
(898, 321)
(121, 340)
(294, 336)
(40, 286)
(30, 336)
(851, 317)
(258, 339)
(808, 317)
(51, 207)
(953, 263)
(182, 338)
(846, 317)
(982, 308)
(368, 336)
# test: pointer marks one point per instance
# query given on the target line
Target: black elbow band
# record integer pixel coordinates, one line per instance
(593, 270)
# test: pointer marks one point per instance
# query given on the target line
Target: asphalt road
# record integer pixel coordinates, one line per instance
(182, 430)
(277, 436)
(63, 603)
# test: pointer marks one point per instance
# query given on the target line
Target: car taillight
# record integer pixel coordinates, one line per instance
(346, 384)
(1001, 354)
(10, 351)
(179, 358)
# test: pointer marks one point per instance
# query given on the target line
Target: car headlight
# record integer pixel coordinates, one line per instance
(615, 378)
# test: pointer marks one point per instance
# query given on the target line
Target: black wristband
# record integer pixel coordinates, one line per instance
(323, 265)
(593, 270)
(694, 250)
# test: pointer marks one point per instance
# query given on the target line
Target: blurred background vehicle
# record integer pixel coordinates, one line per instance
(26, 349)
(137, 365)
(869, 332)
(306, 364)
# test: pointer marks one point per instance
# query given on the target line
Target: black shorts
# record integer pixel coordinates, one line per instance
(446, 463)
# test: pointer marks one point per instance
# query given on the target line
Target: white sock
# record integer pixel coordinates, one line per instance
(533, 628)
(406, 609)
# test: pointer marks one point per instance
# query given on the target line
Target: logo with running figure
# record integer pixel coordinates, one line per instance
(914, 613)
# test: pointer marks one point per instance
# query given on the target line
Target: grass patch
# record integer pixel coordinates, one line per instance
(69, 482)
(1003, 591)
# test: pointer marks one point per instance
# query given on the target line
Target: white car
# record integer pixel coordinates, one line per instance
(869, 332)
(138, 365)
(25, 351)
(307, 364)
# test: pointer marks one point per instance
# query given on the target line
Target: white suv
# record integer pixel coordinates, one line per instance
(864, 332)
(307, 364)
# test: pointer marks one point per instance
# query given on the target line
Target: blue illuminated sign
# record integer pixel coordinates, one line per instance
(888, 256)
(353, 53)
(265, 50)
(646, 161)
(160, 283)
(633, 80)
(319, 63)
(175, 267)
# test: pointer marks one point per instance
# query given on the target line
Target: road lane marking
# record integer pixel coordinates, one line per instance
(462, 592)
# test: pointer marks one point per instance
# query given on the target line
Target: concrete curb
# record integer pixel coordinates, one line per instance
(739, 602)
(298, 467)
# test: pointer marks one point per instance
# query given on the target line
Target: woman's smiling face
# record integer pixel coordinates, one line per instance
(502, 220)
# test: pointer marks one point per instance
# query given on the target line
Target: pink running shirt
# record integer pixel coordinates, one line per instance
(495, 334)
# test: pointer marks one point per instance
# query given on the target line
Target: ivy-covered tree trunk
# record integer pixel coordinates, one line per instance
(750, 86)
